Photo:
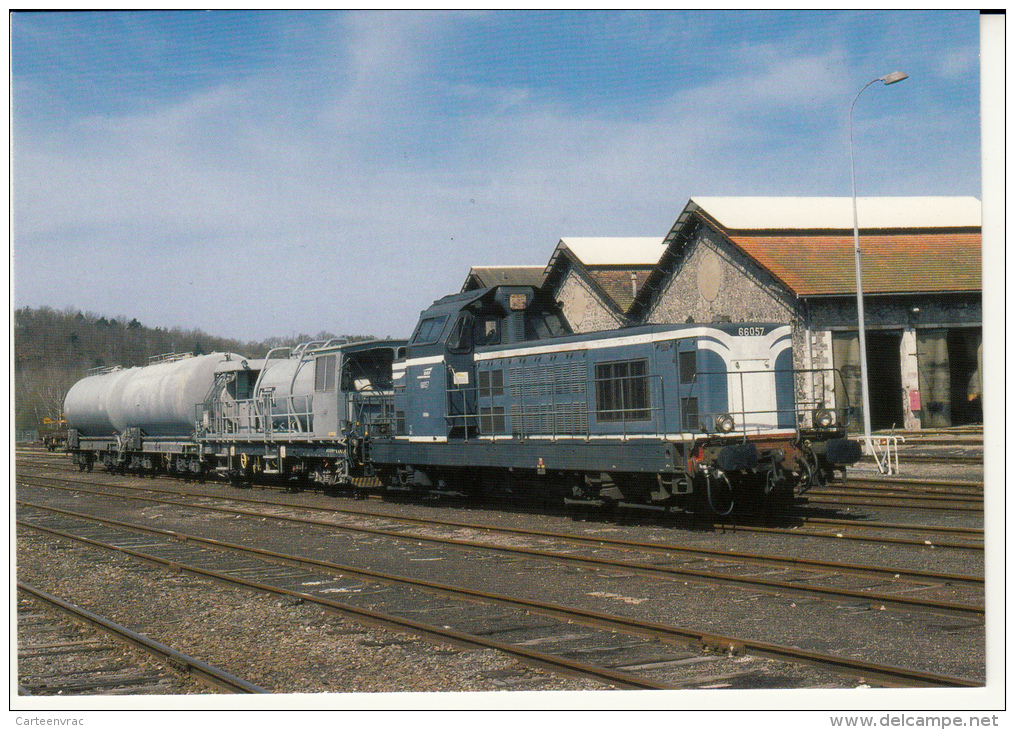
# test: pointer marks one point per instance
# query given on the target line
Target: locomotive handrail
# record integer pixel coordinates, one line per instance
(800, 409)
(252, 417)
(103, 369)
(266, 366)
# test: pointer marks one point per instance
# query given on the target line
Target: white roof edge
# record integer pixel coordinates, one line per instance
(510, 266)
(774, 213)
(615, 251)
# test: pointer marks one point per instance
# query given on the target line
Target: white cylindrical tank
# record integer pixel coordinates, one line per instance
(291, 396)
(161, 399)
(93, 404)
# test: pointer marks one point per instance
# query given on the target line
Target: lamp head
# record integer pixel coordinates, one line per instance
(894, 77)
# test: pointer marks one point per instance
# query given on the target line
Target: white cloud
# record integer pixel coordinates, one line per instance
(959, 63)
(350, 197)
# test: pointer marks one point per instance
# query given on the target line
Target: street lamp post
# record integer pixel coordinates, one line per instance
(891, 78)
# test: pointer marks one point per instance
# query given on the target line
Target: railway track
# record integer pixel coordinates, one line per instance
(898, 498)
(643, 547)
(830, 528)
(620, 650)
(64, 649)
(740, 570)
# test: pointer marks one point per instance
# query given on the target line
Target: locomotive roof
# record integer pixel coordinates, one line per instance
(633, 331)
(454, 302)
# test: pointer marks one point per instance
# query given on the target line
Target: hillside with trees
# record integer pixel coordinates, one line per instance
(54, 349)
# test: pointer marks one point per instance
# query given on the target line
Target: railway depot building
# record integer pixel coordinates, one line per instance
(595, 280)
(791, 260)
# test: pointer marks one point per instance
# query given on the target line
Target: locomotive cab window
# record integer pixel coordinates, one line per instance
(540, 325)
(429, 330)
(487, 330)
(622, 391)
(367, 371)
(324, 374)
(461, 335)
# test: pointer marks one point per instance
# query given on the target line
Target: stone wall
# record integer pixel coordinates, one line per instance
(716, 282)
(583, 308)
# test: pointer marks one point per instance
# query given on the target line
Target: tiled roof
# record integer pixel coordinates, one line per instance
(908, 245)
(894, 263)
(482, 277)
(610, 263)
(616, 282)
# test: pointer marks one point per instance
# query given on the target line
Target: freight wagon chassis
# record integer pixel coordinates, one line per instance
(334, 465)
(131, 452)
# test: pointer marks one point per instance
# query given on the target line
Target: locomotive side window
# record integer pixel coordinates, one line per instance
(688, 365)
(487, 330)
(461, 336)
(689, 412)
(622, 392)
(429, 330)
(324, 373)
(491, 383)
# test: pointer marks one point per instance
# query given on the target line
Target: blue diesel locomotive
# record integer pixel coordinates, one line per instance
(495, 395)
(492, 395)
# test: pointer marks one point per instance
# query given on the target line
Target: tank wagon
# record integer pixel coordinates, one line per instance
(492, 395)
(140, 417)
(300, 413)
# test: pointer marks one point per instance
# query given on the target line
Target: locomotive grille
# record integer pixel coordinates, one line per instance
(549, 399)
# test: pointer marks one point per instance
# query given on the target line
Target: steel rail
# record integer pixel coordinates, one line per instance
(624, 680)
(885, 673)
(878, 599)
(917, 503)
(975, 532)
(899, 493)
(881, 480)
(867, 571)
(178, 660)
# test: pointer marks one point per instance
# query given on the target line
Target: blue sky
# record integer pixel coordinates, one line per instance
(268, 173)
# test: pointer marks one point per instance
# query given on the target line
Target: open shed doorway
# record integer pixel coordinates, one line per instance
(884, 376)
(884, 379)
